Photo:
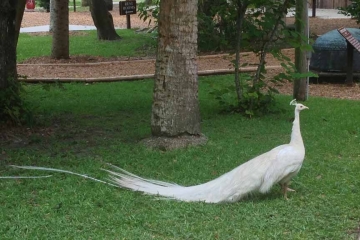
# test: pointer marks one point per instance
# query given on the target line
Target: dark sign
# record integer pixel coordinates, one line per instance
(350, 38)
(127, 7)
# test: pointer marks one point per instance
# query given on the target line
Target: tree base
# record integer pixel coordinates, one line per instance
(171, 143)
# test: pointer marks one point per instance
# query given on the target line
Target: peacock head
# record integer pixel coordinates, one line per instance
(298, 106)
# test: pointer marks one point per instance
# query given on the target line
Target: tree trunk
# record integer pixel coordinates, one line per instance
(60, 43)
(103, 21)
(109, 5)
(241, 9)
(175, 109)
(9, 89)
(52, 15)
(301, 64)
(20, 7)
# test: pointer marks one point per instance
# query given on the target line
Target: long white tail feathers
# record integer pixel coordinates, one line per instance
(22, 177)
(62, 171)
(122, 179)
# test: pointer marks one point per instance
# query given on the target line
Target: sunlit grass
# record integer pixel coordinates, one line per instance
(86, 43)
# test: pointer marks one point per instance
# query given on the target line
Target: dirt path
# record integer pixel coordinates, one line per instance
(97, 67)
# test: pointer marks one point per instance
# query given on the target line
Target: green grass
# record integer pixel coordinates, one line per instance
(85, 126)
(86, 43)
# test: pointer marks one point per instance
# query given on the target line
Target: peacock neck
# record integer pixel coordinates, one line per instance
(296, 138)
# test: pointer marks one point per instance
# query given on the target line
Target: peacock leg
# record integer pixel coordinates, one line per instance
(285, 189)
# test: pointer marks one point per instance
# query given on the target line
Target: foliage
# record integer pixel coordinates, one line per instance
(262, 32)
(87, 126)
(216, 25)
(45, 4)
(13, 108)
(261, 102)
(352, 10)
(148, 11)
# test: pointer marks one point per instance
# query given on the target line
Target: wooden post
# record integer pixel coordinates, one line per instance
(128, 22)
(314, 8)
(351, 44)
(127, 8)
(350, 65)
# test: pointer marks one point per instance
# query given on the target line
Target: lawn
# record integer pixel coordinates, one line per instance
(81, 127)
(86, 43)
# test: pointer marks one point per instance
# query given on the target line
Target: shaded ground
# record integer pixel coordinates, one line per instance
(99, 67)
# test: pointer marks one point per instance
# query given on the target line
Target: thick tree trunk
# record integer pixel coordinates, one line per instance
(60, 43)
(9, 90)
(103, 21)
(175, 109)
(109, 5)
(7, 42)
(20, 7)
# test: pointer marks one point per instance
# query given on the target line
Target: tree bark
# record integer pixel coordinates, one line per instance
(9, 90)
(85, 3)
(241, 10)
(52, 16)
(300, 85)
(20, 7)
(103, 21)
(175, 109)
(109, 5)
(60, 43)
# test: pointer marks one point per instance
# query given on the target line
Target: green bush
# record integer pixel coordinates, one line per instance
(216, 25)
(45, 4)
(352, 10)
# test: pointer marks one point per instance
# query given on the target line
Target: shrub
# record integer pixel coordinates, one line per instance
(352, 10)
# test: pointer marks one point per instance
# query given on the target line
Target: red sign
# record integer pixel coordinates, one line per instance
(350, 38)
(127, 7)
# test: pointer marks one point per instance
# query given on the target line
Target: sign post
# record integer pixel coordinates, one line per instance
(127, 8)
(351, 44)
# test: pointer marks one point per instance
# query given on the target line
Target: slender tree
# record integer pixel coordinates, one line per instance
(52, 15)
(60, 43)
(301, 18)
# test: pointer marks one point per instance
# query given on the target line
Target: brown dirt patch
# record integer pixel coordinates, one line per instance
(100, 67)
(320, 26)
(38, 18)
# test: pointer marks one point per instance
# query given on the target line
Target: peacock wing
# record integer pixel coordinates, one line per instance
(287, 163)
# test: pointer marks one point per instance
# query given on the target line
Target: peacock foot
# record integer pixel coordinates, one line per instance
(285, 189)
(290, 189)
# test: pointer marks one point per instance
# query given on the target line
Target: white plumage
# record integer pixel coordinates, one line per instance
(259, 174)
